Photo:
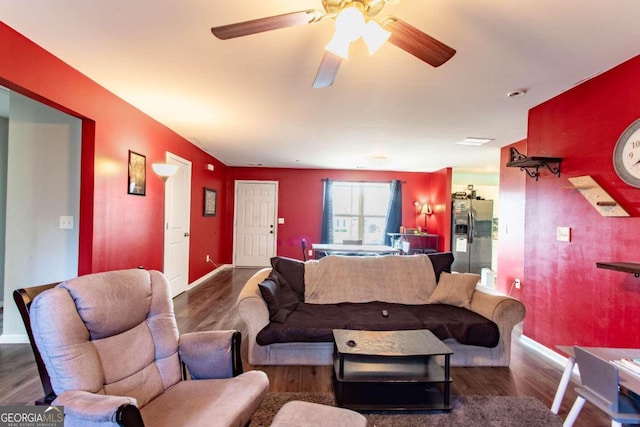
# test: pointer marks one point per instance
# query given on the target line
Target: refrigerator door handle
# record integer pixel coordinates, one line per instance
(472, 225)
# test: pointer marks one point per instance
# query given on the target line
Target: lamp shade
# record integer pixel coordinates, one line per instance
(426, 209)
(164, 170)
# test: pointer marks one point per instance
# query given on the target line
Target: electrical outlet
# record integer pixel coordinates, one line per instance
(517, 283)
(208, 258)
(310, 252)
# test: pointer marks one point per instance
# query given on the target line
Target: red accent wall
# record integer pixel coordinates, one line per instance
(568, 299)
(116, 230)
(300, 200)
(511, 225)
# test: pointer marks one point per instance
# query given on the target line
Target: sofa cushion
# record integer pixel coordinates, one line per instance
(466, 326)
(291, 270)
(394, 279)
(315, 322)
(455, 289)
(280, 299)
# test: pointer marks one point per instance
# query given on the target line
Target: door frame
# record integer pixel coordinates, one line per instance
(235, 213)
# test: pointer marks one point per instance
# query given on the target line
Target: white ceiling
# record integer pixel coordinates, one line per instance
(249, 100)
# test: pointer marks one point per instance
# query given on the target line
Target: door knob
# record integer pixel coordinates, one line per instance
(187, 234)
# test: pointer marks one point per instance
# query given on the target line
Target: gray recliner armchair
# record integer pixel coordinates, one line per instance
(113, 355)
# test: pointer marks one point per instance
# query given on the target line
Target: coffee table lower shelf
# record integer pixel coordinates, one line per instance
(402, 384)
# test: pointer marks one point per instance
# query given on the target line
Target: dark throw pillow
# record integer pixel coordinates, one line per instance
(441, 262)
(280, 299)
(292, 270)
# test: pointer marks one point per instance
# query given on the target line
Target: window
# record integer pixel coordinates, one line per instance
(360, 211)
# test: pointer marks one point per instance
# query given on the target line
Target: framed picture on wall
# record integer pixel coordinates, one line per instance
(209, 202)
(137, 174)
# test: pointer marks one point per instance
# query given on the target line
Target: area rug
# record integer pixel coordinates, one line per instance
(468, 411)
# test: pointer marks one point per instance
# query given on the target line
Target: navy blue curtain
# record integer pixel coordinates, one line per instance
(327, 213)
(394, 213)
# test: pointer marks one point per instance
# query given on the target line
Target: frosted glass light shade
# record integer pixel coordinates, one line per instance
(164, 170)
(350, 23)
(374, 36)
(339, 46)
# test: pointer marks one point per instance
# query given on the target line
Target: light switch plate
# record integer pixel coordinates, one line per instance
(280, 220)
(66, 223)
(563, 234)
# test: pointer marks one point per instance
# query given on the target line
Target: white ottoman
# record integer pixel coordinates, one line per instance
(297, 413)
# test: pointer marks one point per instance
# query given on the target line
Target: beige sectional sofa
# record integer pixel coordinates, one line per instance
(359, 287)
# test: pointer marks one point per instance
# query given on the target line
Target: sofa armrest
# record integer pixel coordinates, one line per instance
(252, 308)
(211, 354)
(504, 310)
(85, 407)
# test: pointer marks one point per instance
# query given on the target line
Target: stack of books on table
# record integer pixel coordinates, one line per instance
(631, 365)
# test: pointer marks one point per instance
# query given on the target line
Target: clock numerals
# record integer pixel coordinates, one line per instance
(626, 155)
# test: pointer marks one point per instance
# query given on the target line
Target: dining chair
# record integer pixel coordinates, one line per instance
(304, 249)
(600, 386)
(352, 242)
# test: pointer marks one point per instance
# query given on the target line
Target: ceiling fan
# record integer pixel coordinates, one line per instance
(354, 19)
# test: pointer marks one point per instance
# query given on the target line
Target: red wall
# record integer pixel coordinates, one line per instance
(300, 200)
(568, 299)
(511, 225)
(116, 230)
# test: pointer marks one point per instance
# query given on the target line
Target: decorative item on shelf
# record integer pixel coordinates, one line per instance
(164, 170)
(137, 183)
(209, 202)
(597, 196)
(532, 164)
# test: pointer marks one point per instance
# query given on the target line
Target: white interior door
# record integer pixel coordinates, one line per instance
(255, 223)
(176, 225)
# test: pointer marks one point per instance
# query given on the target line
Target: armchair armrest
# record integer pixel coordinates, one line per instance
(83, 407)
(211, 354)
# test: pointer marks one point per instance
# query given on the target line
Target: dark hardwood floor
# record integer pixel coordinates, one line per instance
(212, 306)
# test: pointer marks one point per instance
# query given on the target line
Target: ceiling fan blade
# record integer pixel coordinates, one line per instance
(329, 66)
(417, 43)
(261, 25)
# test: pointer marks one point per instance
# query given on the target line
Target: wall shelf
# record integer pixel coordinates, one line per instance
(625, 267)
(597, 196)
(532, 164)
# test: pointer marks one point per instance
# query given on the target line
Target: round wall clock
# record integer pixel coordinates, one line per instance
(626, 155)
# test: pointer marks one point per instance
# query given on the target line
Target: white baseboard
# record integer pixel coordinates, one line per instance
(208, 276)
(548, 354)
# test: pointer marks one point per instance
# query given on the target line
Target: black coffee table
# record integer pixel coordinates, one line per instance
(391, 370)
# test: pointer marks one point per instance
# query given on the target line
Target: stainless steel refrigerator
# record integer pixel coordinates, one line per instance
(471, 228)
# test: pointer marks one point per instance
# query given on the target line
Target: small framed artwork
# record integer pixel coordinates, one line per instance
(209, 202)
(137, 174)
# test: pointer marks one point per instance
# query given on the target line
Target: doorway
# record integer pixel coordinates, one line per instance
(42, 188)
(255, 229)
(177, 212)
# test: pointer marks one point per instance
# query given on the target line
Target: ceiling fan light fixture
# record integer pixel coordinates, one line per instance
(350, 23)
(374, 36)
(339, 46)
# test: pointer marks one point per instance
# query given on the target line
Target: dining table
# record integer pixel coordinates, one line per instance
(355, 250)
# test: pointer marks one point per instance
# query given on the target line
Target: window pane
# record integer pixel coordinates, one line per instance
(345, 200)
(374, 230)
(376, 199)
(345, 228)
